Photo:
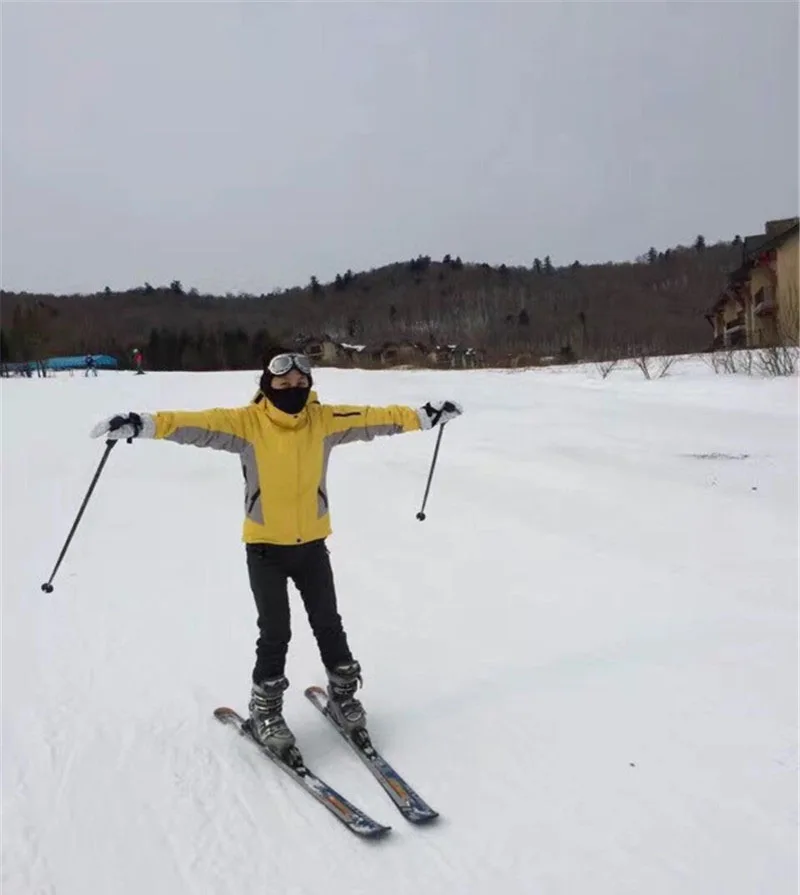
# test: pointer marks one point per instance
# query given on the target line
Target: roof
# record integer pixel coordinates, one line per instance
(751, 243)
(777, 232)
(772, 242)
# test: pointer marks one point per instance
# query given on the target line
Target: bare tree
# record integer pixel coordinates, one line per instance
(605, 367)
(653, 366)
(781, 359)
(777, 360)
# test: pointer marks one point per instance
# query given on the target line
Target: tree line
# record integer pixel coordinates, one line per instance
(577, 311)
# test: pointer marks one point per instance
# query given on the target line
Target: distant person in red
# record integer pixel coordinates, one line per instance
(137, 360)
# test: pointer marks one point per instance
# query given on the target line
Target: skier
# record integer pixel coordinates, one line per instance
(90, 365)
(284, 438)
(137, 358)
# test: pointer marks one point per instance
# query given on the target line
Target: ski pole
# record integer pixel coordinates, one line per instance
(47, 587)
(421, 513)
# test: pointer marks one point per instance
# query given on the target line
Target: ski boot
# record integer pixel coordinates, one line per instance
(343, 681)
(266, 718)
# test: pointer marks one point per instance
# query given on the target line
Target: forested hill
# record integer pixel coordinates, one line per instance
(655, 304)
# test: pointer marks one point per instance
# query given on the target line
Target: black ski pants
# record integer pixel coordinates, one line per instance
(270, 567)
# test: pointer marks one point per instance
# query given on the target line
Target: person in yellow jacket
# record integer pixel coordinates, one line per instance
(284, 438)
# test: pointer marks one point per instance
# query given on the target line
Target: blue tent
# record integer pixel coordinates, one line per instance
(101, 361)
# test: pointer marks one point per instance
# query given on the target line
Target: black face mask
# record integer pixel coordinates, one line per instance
(289, 400)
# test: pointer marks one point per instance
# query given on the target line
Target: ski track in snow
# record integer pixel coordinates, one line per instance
(585, 658)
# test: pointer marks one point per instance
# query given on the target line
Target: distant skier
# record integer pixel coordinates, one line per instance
(90, 364)
(284, 437)
(136, 357)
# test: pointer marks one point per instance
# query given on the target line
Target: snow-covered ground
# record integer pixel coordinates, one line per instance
(585, 658)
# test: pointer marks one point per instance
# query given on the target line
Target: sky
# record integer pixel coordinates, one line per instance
(245, 147)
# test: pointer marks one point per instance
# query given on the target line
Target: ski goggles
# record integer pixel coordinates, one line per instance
(281, 364)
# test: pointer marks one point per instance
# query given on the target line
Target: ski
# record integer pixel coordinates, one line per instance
(353, 818)
(408, 803)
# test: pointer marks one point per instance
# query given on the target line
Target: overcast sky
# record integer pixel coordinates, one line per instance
(247, 146)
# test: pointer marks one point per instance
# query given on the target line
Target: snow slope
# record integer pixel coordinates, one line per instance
(585, 658)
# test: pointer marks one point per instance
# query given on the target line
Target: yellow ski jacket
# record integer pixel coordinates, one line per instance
(284, 457)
